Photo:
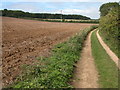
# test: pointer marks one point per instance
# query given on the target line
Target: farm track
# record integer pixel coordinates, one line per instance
(86, 75)
(25, 40)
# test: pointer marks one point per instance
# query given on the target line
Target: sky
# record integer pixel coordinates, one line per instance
(87, 8)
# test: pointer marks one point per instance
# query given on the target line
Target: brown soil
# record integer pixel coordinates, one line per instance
(0, 53)
(25, 40)
(109, 52)
(86, 75)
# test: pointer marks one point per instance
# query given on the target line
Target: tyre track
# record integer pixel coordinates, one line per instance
(108, 51)
(86, 75)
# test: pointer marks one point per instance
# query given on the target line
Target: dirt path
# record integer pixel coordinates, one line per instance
(107, 49)
(86, 75)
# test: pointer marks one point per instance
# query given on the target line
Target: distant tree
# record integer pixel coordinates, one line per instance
(18, 13)
(5, 10)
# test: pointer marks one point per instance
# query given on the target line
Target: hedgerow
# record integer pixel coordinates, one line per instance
(109, 28)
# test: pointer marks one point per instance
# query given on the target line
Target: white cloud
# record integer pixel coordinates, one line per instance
(60, 0)
(29, 7)
(92, 12)
(25, 7)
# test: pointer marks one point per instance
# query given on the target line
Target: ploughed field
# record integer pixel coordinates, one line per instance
(25, 40)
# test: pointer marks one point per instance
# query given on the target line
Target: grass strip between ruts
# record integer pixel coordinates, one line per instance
(108, 71)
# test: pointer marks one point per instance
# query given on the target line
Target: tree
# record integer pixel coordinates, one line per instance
(105, 8)
(109, 25)
(17, 13)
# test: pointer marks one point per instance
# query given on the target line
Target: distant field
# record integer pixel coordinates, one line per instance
(95, 21)
(70, 20)
(25, 40)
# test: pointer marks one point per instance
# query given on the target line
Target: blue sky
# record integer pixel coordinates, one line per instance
(90, 9)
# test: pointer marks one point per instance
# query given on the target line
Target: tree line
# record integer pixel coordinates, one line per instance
(20, 14)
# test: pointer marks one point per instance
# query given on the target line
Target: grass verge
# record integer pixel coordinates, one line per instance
(57, 69)
(108, 72)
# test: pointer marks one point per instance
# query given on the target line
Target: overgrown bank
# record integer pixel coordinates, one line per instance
(56, 70)
(109, 26)
(110, 32)
(108, 72)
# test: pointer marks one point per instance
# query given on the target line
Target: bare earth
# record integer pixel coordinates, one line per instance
(109, 52)
(0, 53)
(86, 75)
(25, 40)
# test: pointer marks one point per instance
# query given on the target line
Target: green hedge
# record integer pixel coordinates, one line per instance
(109, 30)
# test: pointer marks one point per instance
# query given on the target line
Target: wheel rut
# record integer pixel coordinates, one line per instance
(86, 75)
(108, 51)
